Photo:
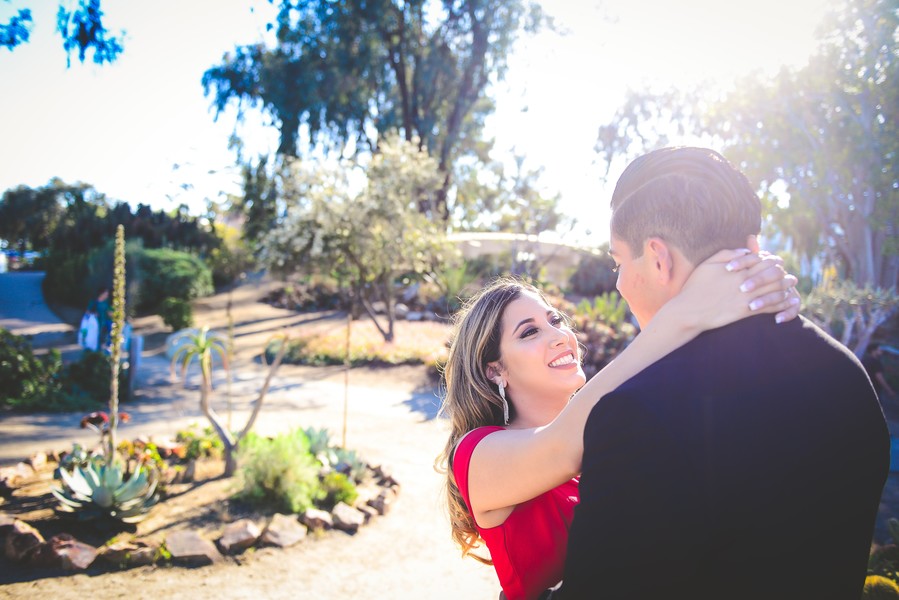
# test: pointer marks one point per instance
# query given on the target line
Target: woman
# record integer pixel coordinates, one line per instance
(515, 446)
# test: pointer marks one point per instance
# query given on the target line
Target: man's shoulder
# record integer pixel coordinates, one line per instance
(752, 344)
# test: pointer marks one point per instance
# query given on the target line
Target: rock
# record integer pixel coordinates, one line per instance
(129, 554)
(314, 518)
(189, 549)
(367, 512)
(238, 536)
(13, 477)
(21, 540)
(384, 501)
(38, 460)
(346, 518)
(63, 551)
(400, 310)
(414, 315)
(283, 531)
(6, 522)
(379, 307)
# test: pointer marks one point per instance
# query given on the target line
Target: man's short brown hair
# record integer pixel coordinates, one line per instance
(692, 198)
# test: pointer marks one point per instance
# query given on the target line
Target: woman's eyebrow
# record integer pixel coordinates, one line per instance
(517, 327)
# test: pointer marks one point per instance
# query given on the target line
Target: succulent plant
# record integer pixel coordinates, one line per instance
(101, 490)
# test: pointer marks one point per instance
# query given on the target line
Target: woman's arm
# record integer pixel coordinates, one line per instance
(512, 466)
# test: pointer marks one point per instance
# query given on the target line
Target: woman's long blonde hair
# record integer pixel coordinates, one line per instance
(471, 399)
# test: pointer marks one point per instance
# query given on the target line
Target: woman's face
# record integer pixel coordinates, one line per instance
(539, 354)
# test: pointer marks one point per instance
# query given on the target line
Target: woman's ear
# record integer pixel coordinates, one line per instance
(493, 371)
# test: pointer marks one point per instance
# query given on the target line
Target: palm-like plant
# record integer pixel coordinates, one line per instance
(204, 345)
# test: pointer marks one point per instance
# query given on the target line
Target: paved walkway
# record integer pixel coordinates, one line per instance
(23, 310)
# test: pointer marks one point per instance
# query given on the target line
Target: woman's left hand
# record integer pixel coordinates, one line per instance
(771, 287)
(734, 284)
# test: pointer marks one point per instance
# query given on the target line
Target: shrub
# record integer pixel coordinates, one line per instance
(200, 444)
(593, 276)
(30, 383)
(338, 488)
(279, 473)
(27, 382)
(171, 274)
(177, 313)
(89, 377)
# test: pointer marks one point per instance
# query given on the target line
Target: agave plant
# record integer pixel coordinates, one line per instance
(100, 490)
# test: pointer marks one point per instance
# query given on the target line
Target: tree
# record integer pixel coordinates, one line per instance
(259, 203)
(204, 345)
(29, 216)
(367, 239)
(81, 29)
(352, 70)
(825, 134)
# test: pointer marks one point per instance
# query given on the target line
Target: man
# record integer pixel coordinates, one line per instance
(749, 463)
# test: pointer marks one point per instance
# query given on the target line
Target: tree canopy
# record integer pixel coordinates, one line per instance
(821, 141)
(352, 70)
(81, 29)
(366, 239)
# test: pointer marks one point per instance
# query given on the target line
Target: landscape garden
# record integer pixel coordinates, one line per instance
(342, 243)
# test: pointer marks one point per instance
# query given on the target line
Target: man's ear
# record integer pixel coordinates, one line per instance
(662, 261)
(752, 242)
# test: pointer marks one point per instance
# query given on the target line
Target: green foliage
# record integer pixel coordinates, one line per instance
(90, 377)
(366, 239)
(821, 141)
(28, 217)
(31, 383)
(355, 71)
(171, 274)
(337, 488)
(454, 280)
(200, 444)
(850, 313)
(594, 275)
(279, 473)
(177, 313)
(105, 490)
(609, 308)
(27, 381)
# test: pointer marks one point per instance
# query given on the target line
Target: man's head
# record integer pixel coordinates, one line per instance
(672, 209)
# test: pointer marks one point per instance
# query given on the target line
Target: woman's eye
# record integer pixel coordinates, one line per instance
(529, 332)
(557, 320)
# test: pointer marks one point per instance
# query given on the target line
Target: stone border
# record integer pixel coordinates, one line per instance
(23, 544)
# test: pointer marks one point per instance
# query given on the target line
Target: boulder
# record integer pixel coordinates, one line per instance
(21, 540)
(384, 501)
(314, 518)
(238, 536)
(189, 549)
(346, 518)
(283, 531)
(63, 551)
(129, 554)
(400, 310)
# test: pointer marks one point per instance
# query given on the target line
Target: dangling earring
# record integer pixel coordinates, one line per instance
(502, 394)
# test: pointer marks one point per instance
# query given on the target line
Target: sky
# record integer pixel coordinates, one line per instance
(141, 130)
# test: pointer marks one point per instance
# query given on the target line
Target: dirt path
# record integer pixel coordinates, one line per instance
(406, 554)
